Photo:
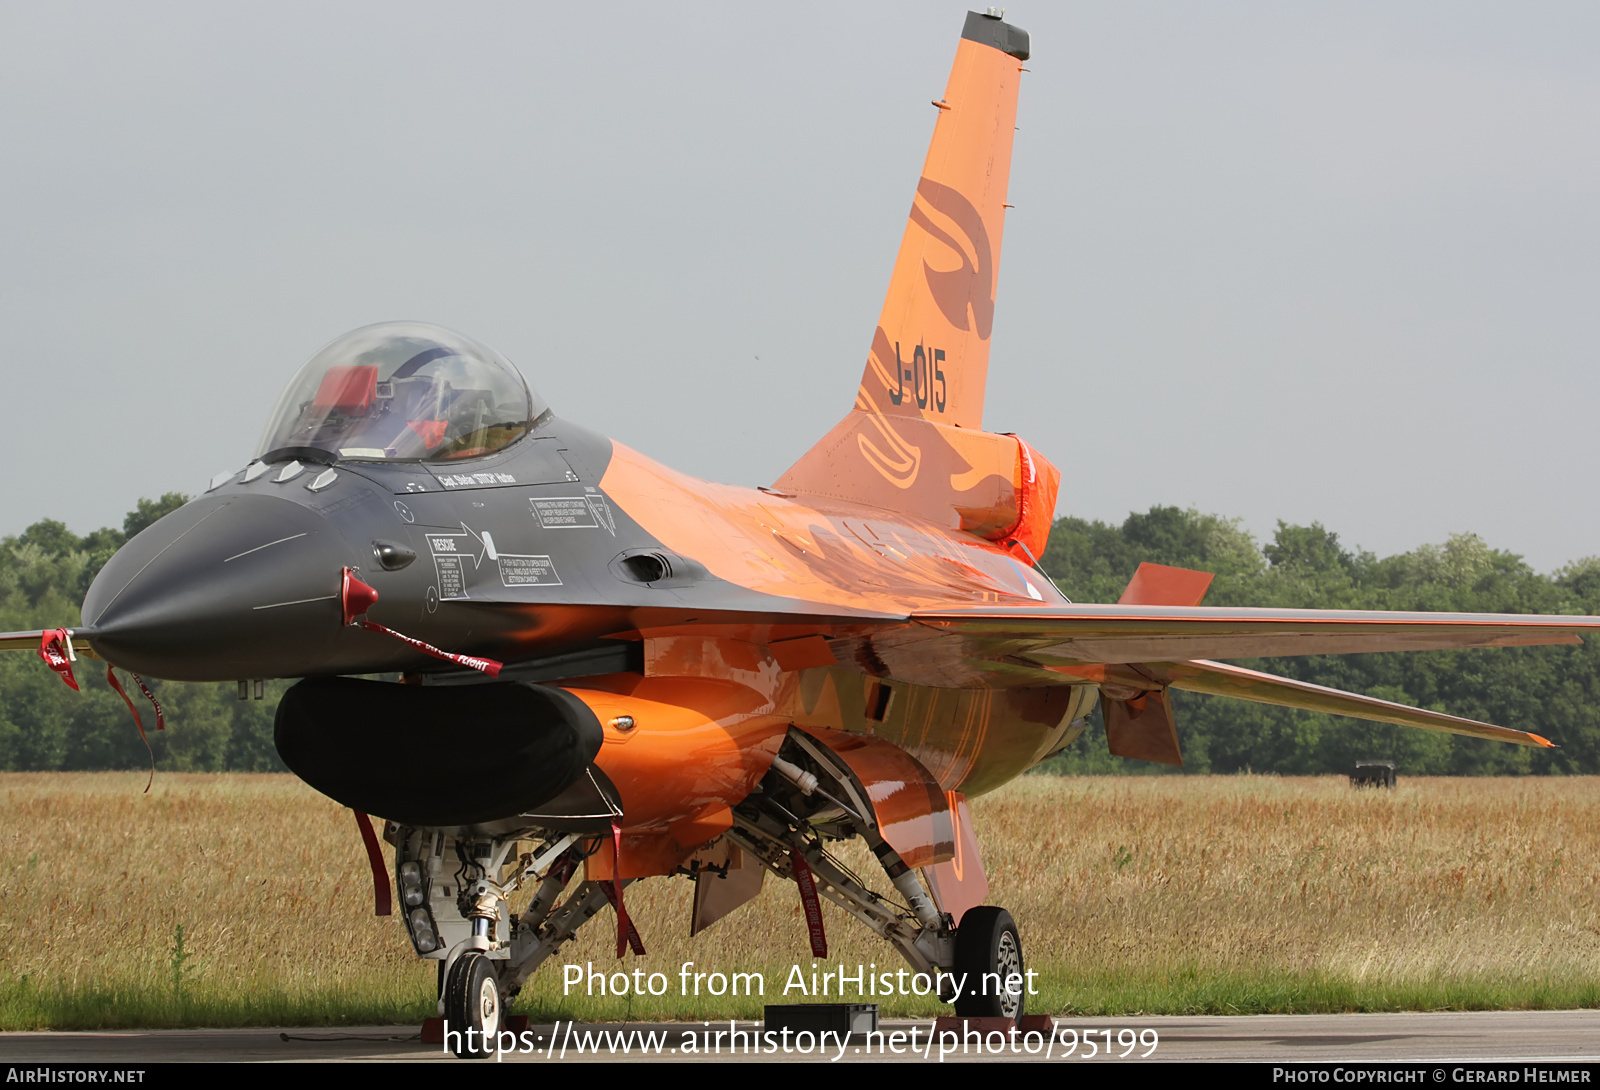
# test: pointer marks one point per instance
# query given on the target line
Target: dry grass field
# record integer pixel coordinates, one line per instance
(235, 899)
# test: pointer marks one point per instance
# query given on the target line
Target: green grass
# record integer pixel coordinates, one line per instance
(25, 1005)
(236, 901)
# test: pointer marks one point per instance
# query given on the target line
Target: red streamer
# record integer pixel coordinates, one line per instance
(53, 649)
(627, 935)
(382, 904)
(635, 943)
(161, 720)
(487, 666)
(808, 898)
(356, 597)
(111, 676)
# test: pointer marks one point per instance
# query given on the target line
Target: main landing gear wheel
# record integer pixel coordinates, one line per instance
(472, 1002)
(989, 954)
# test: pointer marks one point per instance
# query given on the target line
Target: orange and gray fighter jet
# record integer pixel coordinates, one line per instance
(611, 671)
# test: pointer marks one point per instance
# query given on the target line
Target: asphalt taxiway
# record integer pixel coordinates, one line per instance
(1433, 1038)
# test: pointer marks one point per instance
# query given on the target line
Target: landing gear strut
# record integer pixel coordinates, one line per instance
(809, 798)
(457, 895)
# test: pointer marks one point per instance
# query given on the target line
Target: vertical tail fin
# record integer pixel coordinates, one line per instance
(930, 353)
(914, 442)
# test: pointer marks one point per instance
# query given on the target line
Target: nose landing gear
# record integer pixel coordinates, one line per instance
(472, 1003)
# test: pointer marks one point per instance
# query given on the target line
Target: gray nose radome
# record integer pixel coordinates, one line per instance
(225, 587)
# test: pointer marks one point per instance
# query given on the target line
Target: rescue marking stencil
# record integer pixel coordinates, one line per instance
(450, 553)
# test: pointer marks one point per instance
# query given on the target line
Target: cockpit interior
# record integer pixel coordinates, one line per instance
(401, 391)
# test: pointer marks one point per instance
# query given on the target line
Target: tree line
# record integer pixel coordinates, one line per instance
(45, 726)
(1553, 691)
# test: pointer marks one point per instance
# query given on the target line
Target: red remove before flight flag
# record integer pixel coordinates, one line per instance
(53, 649)
(161, 720)
(355, 598)
(804, 879)
(627, 934)
(111, 678)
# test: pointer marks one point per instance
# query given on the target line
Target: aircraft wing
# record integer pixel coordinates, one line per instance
(1076, 634)
(1222, 679)
(1135, 653)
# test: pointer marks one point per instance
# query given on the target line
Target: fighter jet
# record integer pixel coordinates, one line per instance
(610, 671)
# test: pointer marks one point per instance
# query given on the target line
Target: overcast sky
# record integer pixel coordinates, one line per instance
(1276, 261)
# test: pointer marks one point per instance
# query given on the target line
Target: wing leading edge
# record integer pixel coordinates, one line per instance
(1076, 634)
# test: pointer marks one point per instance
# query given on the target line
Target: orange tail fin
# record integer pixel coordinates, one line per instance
(930, 354)
(914, 441)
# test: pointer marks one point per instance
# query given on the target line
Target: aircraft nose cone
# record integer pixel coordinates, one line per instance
(225, 587)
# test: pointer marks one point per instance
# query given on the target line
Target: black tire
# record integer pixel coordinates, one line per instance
(988, 951)
(472, 1002)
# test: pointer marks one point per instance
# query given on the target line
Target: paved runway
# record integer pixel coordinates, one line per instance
(1487, 1037)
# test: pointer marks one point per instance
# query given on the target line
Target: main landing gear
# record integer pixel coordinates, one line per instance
(809, 800)
(988, 957)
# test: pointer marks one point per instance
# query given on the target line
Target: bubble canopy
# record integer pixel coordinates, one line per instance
(401, 392)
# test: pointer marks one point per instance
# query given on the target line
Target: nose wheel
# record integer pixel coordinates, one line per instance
(472, 1006)
(989, 954)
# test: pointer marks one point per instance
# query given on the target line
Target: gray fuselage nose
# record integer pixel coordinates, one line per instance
(226, 587)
